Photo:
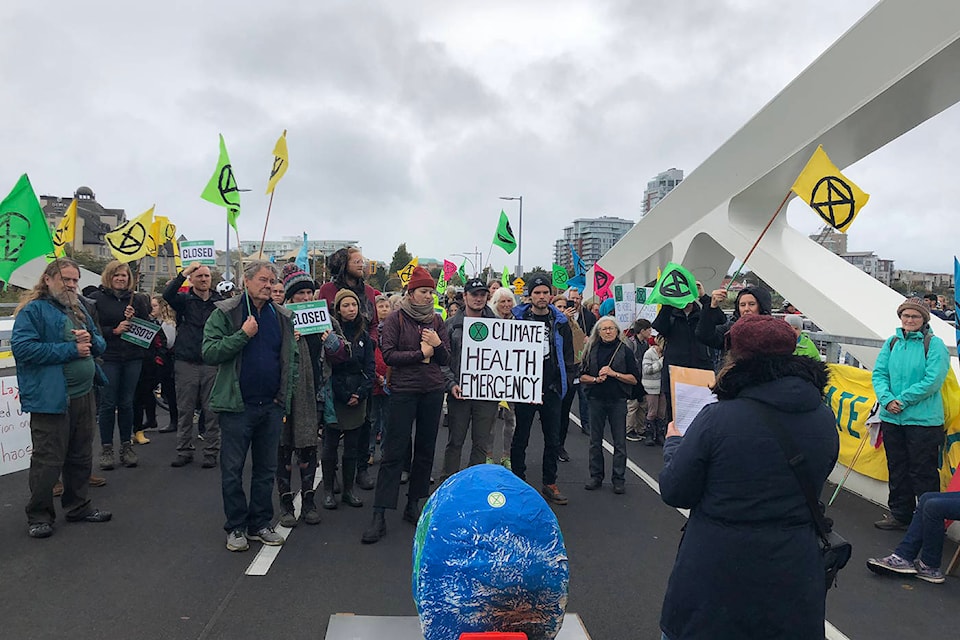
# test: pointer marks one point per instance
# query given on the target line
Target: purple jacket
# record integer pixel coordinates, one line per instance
(400, 345)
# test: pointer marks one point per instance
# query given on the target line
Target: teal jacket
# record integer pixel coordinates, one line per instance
(40, 350)
(904, 373)
(223, 342)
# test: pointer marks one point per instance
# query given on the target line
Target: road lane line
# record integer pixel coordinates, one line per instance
(264, 559)
(831, 632)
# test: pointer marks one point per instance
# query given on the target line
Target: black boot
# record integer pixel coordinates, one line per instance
(661, 430)
(287, 517)
(650, 433)
(308, 508)
(364, 481)
(349, 471)
(377, 528)
(411, 513)
(329, 472)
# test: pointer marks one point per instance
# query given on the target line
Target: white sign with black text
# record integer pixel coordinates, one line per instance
(502, 360)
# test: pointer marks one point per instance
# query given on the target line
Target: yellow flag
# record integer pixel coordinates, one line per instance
(66, 230)
(829, 192)
(162, 231)
(407, 272)
(130, 241)
(281, 160)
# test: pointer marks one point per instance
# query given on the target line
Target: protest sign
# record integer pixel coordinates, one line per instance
(503, 360)
(644, 308)
(311, 317)
(625, 304)
(140, 333)
(198, 251)
(15, 442)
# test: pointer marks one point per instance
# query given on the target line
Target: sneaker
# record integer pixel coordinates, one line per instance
(928, 573)
(97, 481)
(42, 530)
(634, 436)
(237, 541)
(889, 523)
(563, 456)
(552, 493)
(506, 463)
(127, 456)
(891, 564)
(107, 460)
(267, 536)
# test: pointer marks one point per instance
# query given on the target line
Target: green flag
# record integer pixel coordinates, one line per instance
(676, 287)
(441, 286)
(462, 272)
(504, 236)
(505, 278)
(560, 276)
(222, 188)
(24, 234)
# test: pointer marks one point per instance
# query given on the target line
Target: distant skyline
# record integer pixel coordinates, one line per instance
(407, 121)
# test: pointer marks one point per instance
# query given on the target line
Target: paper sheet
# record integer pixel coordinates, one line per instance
(689, 399)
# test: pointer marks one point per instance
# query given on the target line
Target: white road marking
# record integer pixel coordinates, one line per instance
(832, 633)
(267, 554)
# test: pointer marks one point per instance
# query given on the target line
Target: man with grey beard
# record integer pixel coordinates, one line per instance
(54, 342)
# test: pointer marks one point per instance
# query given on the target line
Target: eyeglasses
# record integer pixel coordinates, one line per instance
(608, 328)
(910, 316)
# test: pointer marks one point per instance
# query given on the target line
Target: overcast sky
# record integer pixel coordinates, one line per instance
(407, 120)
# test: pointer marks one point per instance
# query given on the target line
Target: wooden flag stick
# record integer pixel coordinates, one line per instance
(846, 475)
(750, 253)
(263, 238)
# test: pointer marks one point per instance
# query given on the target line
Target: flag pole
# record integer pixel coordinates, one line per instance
(762, 233)
(846, 475)
(263, 238)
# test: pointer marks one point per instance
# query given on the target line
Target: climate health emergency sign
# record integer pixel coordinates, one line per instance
(503, 360)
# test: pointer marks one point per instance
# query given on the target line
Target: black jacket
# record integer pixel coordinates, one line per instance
(192, 313)
(455, 330)
(111, 306)
(749, 564)
(714, 324)
(682, 348)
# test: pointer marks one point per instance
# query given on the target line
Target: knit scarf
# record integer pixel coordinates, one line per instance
(422, 313)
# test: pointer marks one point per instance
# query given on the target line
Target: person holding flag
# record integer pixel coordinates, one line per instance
(714, 324)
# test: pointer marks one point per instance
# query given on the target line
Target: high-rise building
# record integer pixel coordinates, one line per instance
(591, 237)
(659, 187)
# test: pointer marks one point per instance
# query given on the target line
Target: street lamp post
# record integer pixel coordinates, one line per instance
(519, 235)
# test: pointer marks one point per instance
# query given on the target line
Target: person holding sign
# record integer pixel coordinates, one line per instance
(415, 345)
(558, 369)
(54, 342)
(749, 518)
(477, 416)
(116, 305)
(609, 371)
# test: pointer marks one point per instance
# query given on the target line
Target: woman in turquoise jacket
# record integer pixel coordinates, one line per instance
(907, 377)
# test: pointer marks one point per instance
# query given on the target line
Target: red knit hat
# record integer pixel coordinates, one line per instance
(421, 278)
(761, 335)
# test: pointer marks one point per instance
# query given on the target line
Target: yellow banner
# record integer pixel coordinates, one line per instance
(850, 395)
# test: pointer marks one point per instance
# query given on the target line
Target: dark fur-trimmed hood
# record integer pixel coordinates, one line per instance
(765, 379)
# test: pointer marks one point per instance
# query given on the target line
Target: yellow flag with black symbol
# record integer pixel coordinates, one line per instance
(131, 240)
(66, 230)
(281, 160)
(829, 193)
(407, 272)
(162, 231)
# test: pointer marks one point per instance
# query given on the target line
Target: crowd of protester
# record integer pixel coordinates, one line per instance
(230, 365)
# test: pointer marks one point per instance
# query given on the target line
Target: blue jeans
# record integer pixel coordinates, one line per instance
(116, 399)
(925, 535)
(257, 430)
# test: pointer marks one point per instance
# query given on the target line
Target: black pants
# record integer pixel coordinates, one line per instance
(565, 406)
(912, 464)
(168, 389)
(306, 463)
(614, 412)
(331, 441)
(405, 408)
(550, 422)
(144, 402)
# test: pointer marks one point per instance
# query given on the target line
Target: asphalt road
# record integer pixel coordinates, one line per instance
(160, 569)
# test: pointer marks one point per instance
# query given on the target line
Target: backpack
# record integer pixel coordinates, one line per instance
(926, 343)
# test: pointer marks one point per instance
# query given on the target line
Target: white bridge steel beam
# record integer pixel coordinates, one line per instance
(896, 68)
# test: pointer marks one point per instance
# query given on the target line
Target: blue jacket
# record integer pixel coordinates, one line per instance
(40, 351)
(562, 341)
(903, 372)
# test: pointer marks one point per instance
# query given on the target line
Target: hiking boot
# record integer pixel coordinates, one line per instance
(634, 436)
(287, 516)
(562, 455)
(593, 485)
(182, 460)
(267, 536)
(363, 480)
(505, 461)
(58, 489)
(237, 541)
(97, 481)
(40, 530)
(892, 564)
(127, 456)
(889, 523)
(107, 459)
(376, 530)
(209, 461)
(650, 434)
(328, 473)
(928, 573)
(411, 513)
(619, 488)
(140, 438)
(308, 509)
(552, 493)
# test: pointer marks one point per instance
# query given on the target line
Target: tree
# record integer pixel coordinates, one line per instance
(90, 261)
(401, 257)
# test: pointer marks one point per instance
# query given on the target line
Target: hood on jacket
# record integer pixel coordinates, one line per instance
(763, 299)
(795, 384)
